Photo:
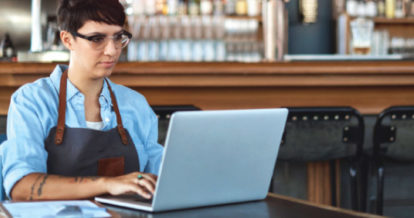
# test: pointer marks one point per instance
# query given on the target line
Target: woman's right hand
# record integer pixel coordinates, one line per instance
(130, 183)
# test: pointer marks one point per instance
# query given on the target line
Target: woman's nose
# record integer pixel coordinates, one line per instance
(110, 48)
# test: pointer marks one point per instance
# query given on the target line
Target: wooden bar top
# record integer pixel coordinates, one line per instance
(369, 86)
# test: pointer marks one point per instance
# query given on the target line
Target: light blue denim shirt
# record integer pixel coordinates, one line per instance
(34, 111)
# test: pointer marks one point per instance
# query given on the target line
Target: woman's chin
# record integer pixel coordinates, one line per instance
(102, 73)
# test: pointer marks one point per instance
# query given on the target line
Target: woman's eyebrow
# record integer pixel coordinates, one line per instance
(95, 34)
(102, 34)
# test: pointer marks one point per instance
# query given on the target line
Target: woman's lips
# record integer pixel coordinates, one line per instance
(107, 64)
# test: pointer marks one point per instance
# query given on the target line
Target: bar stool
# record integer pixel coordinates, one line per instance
(164, 113)
(315, 134)
(393, 161)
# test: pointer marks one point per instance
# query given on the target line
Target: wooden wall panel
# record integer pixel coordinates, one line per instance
(368, 86)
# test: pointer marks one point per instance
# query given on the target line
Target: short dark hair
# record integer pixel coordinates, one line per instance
(72, 14)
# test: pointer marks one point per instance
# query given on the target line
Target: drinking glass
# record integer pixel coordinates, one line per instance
(361, 30)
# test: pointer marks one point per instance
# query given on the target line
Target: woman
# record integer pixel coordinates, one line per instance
(76, 134)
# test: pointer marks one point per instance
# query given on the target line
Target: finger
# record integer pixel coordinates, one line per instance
(150, 177)
(140, 190)
(147, 184)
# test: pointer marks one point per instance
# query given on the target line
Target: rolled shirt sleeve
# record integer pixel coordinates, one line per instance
(23, 151)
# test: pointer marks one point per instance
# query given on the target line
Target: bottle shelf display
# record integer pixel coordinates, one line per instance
(193, 30)
(377, 8)
(7, 50)
(393, 25)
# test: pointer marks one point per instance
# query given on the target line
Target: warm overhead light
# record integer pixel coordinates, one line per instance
(308, 10)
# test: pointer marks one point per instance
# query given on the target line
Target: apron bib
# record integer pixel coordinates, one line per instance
(88, 152)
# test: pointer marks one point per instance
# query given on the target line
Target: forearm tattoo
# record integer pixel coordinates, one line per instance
(39, 190)
(77, 179)
(80, 179)
(33, 186)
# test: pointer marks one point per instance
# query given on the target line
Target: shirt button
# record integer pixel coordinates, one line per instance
(107, 119)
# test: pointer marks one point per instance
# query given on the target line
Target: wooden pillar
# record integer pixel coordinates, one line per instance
(319, 185)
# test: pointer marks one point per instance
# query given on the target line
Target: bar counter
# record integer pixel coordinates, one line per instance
(368, 86)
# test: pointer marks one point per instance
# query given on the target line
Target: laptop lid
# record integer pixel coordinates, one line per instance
(217, 157)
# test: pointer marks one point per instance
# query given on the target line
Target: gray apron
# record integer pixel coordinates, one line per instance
(88, 152)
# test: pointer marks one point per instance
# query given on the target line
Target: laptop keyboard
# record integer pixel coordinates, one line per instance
(136, 198)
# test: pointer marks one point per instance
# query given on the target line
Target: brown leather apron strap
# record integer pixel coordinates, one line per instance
(62, 112)
(62, 109)
(121, 129)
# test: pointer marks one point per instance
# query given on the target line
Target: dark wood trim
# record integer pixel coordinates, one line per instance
(294, 67)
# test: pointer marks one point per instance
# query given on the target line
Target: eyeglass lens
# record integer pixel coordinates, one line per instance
(99, 42)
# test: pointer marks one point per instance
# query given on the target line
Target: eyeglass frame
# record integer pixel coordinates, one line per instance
(90, 38)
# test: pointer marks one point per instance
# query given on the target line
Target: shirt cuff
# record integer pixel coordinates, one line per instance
(13, 177)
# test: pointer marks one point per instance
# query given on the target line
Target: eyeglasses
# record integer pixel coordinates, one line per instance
(99, 41)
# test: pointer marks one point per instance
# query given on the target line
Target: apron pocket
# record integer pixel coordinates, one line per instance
(114, 166)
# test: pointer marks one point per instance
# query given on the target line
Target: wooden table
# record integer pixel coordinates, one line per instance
(273, 206)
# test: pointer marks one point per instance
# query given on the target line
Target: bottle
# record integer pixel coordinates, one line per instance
(160, 6)
(7, 48)
(150, 7)
(411, 9)
(253, 8)
(138, 7)
(371, 8)
(218, 7)
(351, 7)
(230, 7)
(193, 7)
(399, 9)
(241, 7)
(381, 8)
(339, 8)
(182, 8)
(390, 8)
(206, 7)
(172, 6)
(361, 9)
(407, 7)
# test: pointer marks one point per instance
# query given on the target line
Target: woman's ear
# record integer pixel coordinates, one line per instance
(67, 39)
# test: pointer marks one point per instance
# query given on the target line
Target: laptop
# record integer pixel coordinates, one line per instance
(212, 158)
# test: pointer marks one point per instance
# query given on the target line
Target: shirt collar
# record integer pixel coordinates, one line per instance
(71, 89)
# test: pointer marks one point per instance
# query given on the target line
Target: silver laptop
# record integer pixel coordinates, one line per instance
(214, 157)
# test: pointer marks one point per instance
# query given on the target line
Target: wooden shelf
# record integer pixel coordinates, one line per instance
(238, 17)
(259, 18)
(383, 20)
(396, 27)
